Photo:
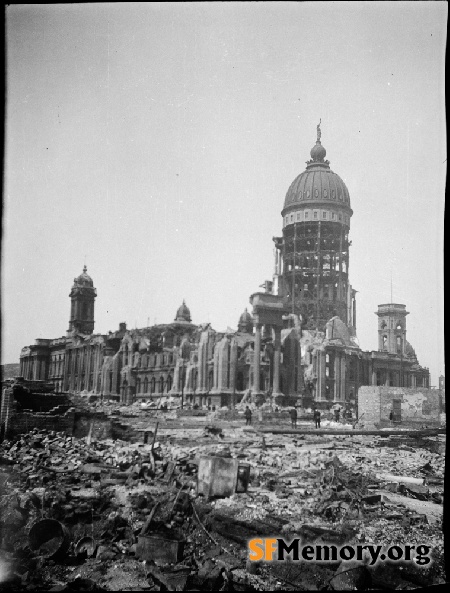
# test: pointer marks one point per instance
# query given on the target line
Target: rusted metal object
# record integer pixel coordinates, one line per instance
(164, 546)
(86, 545)
(49, 538)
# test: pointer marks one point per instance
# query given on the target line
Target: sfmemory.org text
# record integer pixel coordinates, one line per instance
(277, 549)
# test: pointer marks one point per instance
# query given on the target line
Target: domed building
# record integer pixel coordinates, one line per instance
(313, 260)
(297, 344)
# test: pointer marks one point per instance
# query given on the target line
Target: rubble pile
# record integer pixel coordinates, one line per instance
(85, 514)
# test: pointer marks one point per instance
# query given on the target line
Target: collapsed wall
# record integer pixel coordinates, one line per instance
(32, 404)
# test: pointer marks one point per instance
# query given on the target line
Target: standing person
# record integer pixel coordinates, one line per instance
(317, 418)
(337, 413)
(260, 414)
(248, 415)
(293, 413)
(391, 417)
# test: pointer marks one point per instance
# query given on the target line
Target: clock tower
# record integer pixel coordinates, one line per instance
(82, 297)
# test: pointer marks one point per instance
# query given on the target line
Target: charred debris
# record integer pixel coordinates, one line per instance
(95, 496)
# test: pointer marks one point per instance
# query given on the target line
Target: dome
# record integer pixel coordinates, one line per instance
(409, 350)
(183, 313)
(83, 279)
(318, 183)
(245, 317)
(245, 323)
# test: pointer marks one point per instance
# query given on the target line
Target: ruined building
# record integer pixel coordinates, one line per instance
(298, 343)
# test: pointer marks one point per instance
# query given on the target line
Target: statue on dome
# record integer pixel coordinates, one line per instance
(319, 133)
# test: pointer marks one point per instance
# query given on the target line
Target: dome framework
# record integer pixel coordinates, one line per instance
(315, 244)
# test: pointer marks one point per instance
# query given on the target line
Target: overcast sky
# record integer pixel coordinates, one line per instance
(156, 143)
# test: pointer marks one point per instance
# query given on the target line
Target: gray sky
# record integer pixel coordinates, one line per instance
(158, 142)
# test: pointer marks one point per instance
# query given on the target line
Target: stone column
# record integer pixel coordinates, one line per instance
(343, 377)
(257, 360)
(87, 368)
(337, 375)
(319, 376)
(66, 370)
(276, 361)
(72, 370)
(323, 377)
(216, 366)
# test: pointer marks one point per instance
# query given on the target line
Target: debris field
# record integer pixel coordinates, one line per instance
(91, 514)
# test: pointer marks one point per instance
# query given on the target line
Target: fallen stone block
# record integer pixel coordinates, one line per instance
(417, 490)
(418, 519)
(375, 498)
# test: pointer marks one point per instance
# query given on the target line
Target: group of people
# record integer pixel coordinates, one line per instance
(294, 416)
(292, 412)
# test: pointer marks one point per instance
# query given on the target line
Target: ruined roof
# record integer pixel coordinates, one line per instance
(336, 329)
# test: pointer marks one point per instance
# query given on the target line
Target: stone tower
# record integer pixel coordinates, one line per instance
(82, 298)
(312, 257)
(392, 328)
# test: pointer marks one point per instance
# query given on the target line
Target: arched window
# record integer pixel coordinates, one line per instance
(138, 386)
(153, 385)
(146, 385)
(161, 385)
(384, 342)
(169, 383)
